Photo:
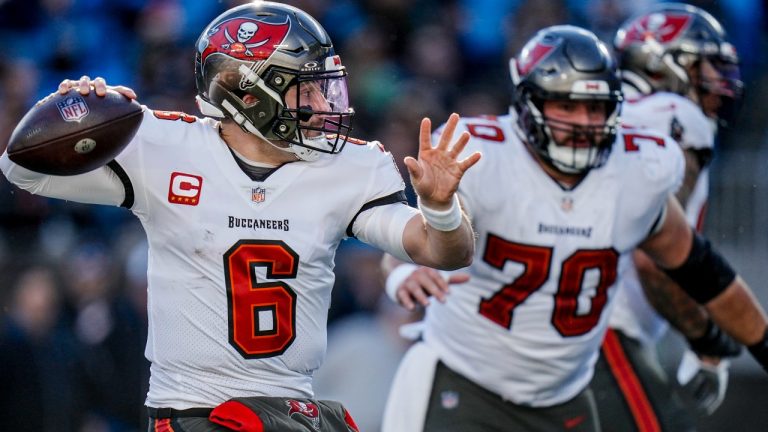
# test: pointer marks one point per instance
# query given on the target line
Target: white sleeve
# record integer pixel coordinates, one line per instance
(383, 227)
(100, 186)
(698, 132)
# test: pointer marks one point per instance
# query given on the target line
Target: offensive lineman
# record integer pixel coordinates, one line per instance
(559, 201)
(243, 217)
(680, 77)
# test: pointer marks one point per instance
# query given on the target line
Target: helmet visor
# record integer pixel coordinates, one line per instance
(721, 90)
(320, 104)
(726, 80)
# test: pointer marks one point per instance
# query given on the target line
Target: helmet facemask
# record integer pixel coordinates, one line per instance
(718, 89)
(581, 148)
(315, 113)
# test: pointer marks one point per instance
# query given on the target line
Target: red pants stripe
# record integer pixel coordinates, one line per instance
(630, 386)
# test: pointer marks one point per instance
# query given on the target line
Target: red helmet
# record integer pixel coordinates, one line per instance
(285, 59)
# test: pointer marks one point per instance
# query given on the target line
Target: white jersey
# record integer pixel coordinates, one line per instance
(679, 117)
(529, 323)
(240, 271)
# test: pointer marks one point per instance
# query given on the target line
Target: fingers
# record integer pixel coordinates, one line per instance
(425, 135)
(459, 145)
(467, 163)
(84, 85)
(64, 87)
(125, 91)
(425, 141)
(410, 294)
(414, 169)
(100, 86)
(424, 283)
(447, 135)
(458, 278)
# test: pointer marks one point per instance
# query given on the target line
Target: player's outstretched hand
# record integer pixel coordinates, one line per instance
(436, 173)
(98, 84)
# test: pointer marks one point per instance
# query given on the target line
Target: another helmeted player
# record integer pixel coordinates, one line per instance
(560, 200)
(243, 217)
(680, 77)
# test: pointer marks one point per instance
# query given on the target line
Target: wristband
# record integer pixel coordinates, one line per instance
(760, 351)
(443, 220)
(715, 342)
(397, 277)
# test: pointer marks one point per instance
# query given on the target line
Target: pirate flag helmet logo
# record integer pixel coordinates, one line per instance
(244, 39)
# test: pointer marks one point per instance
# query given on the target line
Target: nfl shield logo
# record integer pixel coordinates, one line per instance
(258, 194)
(73, 108)
(566, 204)
(449, 399)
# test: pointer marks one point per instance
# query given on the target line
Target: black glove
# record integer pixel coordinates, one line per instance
(716, 343)
(760, 351)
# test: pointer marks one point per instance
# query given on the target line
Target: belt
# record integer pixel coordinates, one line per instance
(164, 413)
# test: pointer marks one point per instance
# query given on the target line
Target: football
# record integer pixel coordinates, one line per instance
(72, 134)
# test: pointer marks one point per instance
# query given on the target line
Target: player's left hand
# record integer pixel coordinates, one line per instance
(410, 285)
(703, 381)
(436, 173)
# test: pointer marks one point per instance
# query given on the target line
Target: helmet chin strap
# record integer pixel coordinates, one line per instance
(302, 153)
(636, 82)
(208, 109)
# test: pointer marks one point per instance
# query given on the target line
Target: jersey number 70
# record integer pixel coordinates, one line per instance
(537, 261)
(262, 316)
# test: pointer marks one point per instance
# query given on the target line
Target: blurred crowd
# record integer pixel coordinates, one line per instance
(72, 277)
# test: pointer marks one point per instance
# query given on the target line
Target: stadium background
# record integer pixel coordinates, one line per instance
(78, 364)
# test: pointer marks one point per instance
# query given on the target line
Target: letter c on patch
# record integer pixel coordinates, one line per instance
(185, 189)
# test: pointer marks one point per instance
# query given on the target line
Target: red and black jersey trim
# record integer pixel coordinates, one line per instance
(397, 197)
(127, 185)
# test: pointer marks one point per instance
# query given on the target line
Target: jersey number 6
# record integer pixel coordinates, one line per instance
(262, 316)
(537, 261)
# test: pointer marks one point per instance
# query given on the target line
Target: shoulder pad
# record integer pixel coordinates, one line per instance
(672, 114)
(651, 157)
